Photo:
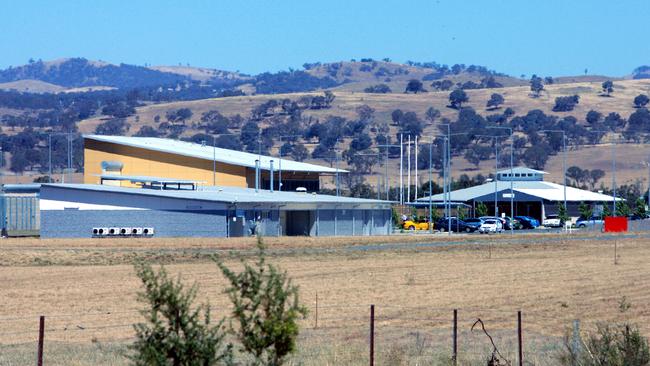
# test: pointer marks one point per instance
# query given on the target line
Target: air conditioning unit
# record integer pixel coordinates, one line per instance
(114, 231)
(102, 231)
(136, 231)
(147, 231)
(124, 231)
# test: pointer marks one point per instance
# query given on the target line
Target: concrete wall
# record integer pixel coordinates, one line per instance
(79, 223)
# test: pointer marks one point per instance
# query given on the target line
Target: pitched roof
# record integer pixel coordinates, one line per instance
(207, 152)
(544, 190)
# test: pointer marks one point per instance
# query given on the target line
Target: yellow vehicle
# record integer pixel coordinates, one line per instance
(415, 225)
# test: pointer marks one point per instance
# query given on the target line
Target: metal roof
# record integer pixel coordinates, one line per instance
(520, 170)
(207, 152)
(224, 194)
(543, 190)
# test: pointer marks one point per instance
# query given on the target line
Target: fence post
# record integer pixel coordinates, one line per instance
(372, 335)
(454, 355)
(41, 335)
(316, 325)
(575, 344)
(519, 336)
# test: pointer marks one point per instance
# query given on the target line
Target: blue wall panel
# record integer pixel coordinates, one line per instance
(79, 223)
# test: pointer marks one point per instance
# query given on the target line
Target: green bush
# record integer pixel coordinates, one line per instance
(266, 310)
(174, 333)
(611, 345)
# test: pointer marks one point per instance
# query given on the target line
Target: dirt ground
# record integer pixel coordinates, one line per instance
(415, 288)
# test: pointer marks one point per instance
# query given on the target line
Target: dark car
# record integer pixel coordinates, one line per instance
(457, 225)
(474, 222)
(527, 222)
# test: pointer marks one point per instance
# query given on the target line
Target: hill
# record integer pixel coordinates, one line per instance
(347, 103)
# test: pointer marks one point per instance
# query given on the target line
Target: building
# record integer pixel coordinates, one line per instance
(81, 210)
(19, 210)
(106, 157)
(532, 196)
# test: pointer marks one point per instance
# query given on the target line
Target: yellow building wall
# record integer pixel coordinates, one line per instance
(138, 161)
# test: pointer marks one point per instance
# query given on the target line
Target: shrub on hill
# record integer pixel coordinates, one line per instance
(566, 104)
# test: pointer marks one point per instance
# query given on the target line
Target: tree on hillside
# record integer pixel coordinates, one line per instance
(432, 114)
(410, 124)
(476, 153)
(608, 87)
(614, 121)
(593, 117)
(414, 86)
(299, 152)
(495, 101)
(250, 136)
(536, 85)
(535, 157)
(365, 113)
(457, 98)
(378, 89)
(396, 116)
(442, 85)
(641, 100)
(566, 104)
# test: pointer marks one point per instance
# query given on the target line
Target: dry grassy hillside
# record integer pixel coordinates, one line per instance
(517, 98)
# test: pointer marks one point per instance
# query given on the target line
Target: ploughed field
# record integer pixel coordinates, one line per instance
(87, 291)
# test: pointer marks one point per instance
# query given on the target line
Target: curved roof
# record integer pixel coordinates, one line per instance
(207, 152)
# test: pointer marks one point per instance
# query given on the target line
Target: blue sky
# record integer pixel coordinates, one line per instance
(548, 37)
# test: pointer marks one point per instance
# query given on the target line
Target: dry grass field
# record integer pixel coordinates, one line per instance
(87, 291)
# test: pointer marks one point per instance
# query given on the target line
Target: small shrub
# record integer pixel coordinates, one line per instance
(266, 309)
(174, 333)
(611, 345)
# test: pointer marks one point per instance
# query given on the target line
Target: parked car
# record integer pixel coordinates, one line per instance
(503, 221)
(527, 222)
(491, 226)
(589, 222)
(457, 225)
(516, 225)
(415, 225)
(552, 221)
(474, 222)
(635, 217)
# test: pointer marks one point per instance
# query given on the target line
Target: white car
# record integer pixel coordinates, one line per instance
(491, 226)
(552, 221)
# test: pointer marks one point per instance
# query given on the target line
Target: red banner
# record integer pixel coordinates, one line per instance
(615, 224)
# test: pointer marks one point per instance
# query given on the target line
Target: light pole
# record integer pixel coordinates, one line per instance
(613, 168)
(214, 154)
(496, 170)
(566, 209)
(49, 148)
(386, 185)
(512, 192)
(280, 160)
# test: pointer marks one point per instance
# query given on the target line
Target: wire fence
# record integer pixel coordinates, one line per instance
(331, 334)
